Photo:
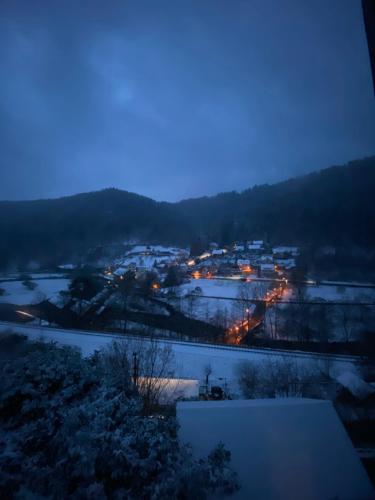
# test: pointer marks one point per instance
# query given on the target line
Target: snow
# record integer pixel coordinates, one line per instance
(267, 267)
(355, 385)
(17, 293)
(341, 293)
(212, 287)
(243, 262)
(287, 263)
(157, 249)
(286, 250)
(207, 309)
(146, 261)
(219, 251)
(191, 359)
(285, 448)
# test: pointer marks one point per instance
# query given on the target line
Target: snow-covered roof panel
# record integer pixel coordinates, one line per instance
(280, 448)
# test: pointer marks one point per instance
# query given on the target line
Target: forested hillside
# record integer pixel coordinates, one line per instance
(332, 207)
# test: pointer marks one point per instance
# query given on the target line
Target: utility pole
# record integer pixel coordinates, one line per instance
(135, 368)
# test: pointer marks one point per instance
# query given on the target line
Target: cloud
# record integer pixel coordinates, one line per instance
(174, 99)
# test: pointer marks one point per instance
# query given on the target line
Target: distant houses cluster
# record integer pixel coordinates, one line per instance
(148, 258)
(247, 258)
(255, 257)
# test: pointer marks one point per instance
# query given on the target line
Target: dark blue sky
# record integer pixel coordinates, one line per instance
(173, 99)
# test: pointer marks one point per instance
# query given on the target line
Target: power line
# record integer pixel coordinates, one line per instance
(278, 301)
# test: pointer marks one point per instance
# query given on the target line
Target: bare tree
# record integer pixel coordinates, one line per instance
(150, 365)
(247, 377)
(272, 378)
(347, 321)
(126, 288)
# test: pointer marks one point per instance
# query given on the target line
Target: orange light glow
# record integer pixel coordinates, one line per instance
(155, 286)
(246, 269)
(196, 275)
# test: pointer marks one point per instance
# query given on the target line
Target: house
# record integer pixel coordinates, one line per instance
(289, 448)
(219, 251)
(286, 263)
(286, 250)
(239, 247)
(243, 262)
(254, 247)
(266, 258)
(244, 265)
(267, 267)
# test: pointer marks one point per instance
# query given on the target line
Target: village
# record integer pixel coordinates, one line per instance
(254, 258)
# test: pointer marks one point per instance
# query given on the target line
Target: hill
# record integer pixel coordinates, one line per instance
(331, 207)
(334, 206)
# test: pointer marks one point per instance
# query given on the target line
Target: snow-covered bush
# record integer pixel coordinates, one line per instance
(69, 428)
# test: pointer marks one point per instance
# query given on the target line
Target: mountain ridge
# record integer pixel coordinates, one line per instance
(332, 206)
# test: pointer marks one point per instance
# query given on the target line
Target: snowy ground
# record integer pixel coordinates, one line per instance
(145, 261)
(157, 249)
(145, 256)
(224, 312)
(17, 293)
(192, 359)
(207, 309)
(341, 293)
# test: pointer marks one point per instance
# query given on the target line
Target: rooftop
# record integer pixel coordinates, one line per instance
(288, 448)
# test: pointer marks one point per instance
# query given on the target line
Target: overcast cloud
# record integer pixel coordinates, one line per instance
(173, 99)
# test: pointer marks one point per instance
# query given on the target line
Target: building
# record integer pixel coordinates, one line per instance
(286, 250)
(254, 247)
(287, 448)
(266, 258)
(286, 263)
(219, 251)
(239, 247)
(268, 267)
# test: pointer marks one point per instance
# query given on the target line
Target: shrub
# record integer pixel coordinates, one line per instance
(69, 427)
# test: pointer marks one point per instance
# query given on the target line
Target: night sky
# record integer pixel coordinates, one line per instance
(174, 99)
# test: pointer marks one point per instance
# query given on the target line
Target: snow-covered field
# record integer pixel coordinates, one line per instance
(157, 249)
(17, 293)
(145, 256)
(207, 309)
(192, 359)
(341, 293)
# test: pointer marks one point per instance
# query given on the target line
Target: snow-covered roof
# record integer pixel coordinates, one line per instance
(156, 249)
(267, 267)
(219, 251)
(355, 385)
(67, 266)
(266, 258)
(254, 246)
(281, 448)
(286, 249)
(119, 271)
(287, 263)
(243, 262)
